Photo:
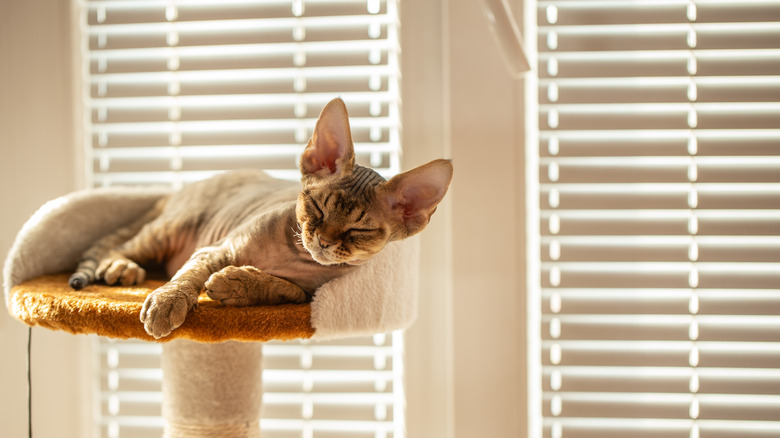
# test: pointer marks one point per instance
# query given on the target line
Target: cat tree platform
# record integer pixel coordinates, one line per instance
(212, 364)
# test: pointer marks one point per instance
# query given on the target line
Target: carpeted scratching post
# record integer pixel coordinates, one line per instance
(212, 390)
(212, 364)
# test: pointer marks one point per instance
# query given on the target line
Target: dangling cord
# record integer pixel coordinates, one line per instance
(29, 381)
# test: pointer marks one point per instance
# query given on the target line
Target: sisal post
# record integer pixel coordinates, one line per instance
(212, 390)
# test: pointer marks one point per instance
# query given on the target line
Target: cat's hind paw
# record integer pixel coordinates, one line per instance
(120, 271)
(165, 309)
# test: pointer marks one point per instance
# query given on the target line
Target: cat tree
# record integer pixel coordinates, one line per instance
(199, 398)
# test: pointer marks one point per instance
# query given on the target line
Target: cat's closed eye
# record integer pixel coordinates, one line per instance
(314, 208)
(363, 232)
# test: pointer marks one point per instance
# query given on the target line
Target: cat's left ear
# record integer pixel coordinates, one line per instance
(413, 196)
(330, 151)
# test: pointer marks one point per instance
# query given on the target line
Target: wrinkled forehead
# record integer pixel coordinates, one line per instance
(360, 183)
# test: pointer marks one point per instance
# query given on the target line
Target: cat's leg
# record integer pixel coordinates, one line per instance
(98, 262)
(248, 286)
(121, 264)
(166, 307)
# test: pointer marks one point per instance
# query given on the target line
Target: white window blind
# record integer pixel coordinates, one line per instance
(659, 218)
(177, 90)
(181, 89)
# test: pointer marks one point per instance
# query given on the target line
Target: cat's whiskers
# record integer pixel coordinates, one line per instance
(298, 234)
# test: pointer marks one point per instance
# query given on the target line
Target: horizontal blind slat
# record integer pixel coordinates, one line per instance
(237, 24)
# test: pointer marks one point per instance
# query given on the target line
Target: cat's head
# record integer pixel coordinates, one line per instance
(347, 212)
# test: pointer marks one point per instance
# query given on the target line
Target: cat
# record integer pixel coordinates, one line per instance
(250, 239)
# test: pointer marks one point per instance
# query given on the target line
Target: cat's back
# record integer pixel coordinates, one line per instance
(225, 200)
(222, 185)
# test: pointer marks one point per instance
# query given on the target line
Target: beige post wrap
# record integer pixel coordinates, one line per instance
(212, 390)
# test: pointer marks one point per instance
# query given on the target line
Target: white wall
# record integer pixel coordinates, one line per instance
(37, 164)
(466, 361)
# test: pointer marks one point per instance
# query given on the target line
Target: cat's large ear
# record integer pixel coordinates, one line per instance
(330, 151)
(413, 196)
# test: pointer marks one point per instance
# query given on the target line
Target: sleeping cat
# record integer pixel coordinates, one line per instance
(248, 239)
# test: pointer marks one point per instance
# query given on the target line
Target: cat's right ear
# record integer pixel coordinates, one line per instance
(412, 196)
(330, 151)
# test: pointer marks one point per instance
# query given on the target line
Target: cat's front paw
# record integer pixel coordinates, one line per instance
(230, 286)
(249, 286)
(165, 309)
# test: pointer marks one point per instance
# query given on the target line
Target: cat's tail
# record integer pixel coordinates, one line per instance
(85, 272)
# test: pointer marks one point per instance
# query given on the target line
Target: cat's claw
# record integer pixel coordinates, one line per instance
(165, 309)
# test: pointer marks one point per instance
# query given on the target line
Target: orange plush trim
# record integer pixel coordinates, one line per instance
(48, 301)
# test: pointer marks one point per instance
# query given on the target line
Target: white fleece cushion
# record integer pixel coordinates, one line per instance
(379, 297)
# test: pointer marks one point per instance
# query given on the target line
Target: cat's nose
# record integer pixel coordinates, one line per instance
(325, 242)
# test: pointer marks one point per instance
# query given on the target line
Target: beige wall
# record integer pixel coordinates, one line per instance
(37, 164)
